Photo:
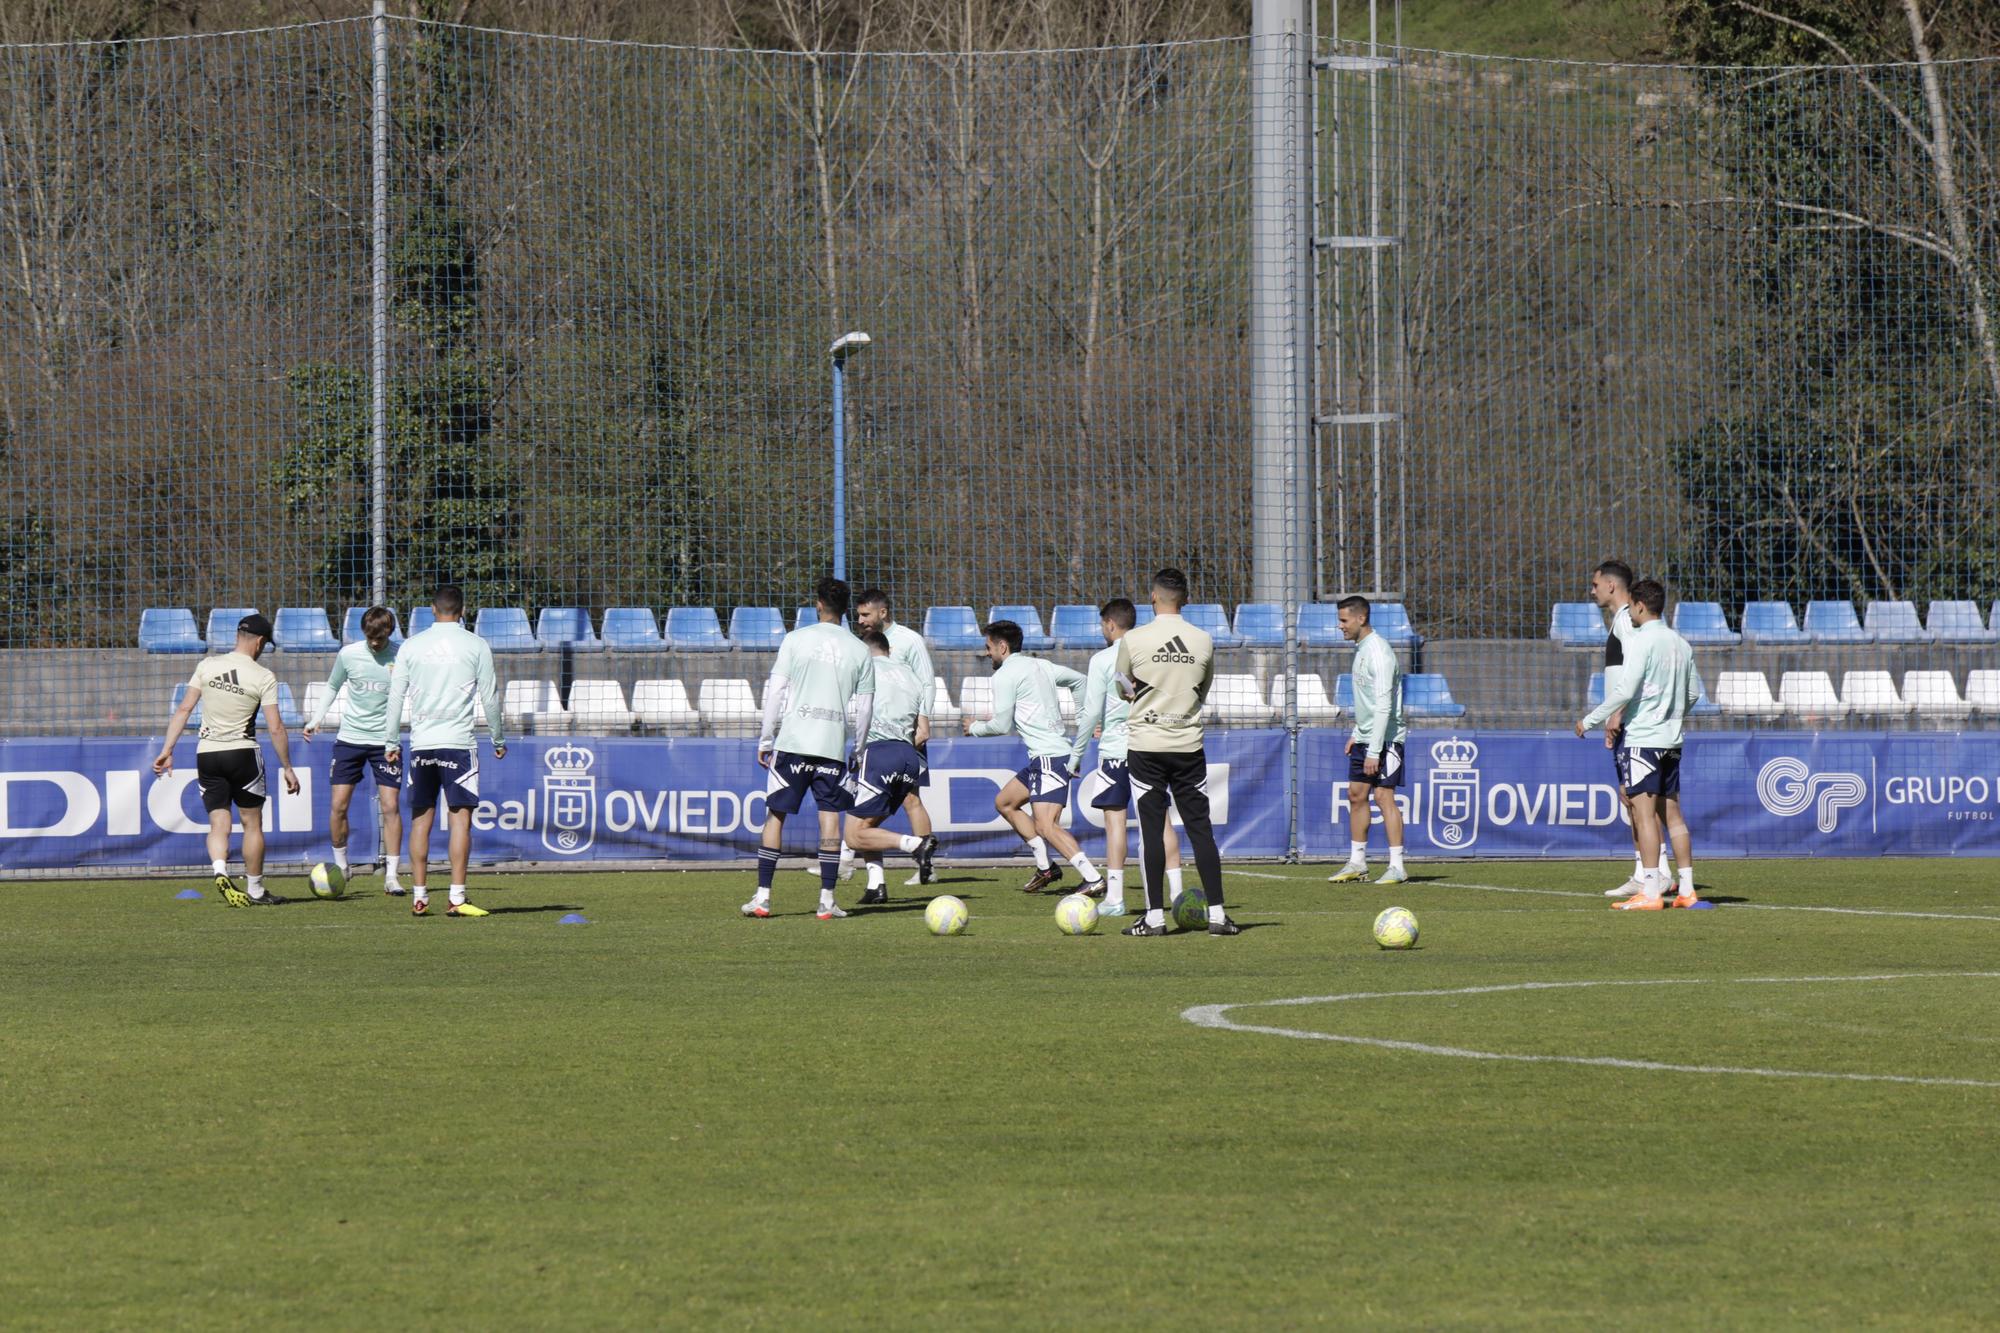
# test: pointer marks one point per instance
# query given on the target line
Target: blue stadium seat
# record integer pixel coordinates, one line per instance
(1426, 694)
(1212, 618)
(1703, 705)
(1145, 616)
(1033, 638)
(1343, 691)
(304, 629)
(288, 707)
(1835, 622)
(422, 618)
(1319, 626)
(1771, 622)
(194, 718)
(506, 629)
(222, 626)
(170, 629)
(1959, 622)
(760, 628)
(695, 629)
(567, 626)
(1595, 695)
(1391, 620)
(1895, 622)
(1577, 625)
(632, 629)
(952, 627)
(808, 615)
(1704, 625)
(350, 631)
(1075, 626)
(1261, 624)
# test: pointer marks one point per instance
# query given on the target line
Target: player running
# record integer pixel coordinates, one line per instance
(1025, 701)
(363, 739)
(440, 671)
(1109, 786)
(906, 646)
(229, 765)
(891, 768)
(1375, 750)
(1654, 692)
(820, 670)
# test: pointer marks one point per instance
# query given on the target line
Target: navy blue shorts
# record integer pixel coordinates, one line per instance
(1647, 772)
(890, 772)
(1047, 780)
(1388, 773)
(1618, 760)
(454, 773)
(1108, 786)
(351, 760)
(793, 775)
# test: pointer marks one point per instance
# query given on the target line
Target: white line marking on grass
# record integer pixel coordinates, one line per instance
(1216, 1016)
(1253, 874)
(1757, 907)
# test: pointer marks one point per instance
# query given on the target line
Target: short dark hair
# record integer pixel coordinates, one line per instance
(1120, 612)
(1649, 594)
(1619, 570)
(875, 638)
(1172, 582)
(873, 597)
(1007, 632)
(831, 593)
(1356, 603)
(377, 622)
(449, 600)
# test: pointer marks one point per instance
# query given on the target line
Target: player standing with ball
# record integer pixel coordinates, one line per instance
(362, 742)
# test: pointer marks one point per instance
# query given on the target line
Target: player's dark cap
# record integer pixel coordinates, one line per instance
(255, 624)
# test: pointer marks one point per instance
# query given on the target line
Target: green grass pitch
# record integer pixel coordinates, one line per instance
(332, 1115)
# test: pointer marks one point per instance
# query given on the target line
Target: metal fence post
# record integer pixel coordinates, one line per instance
(378, 423)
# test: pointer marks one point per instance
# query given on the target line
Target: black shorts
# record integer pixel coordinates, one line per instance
(1156, 775)
(230, 778)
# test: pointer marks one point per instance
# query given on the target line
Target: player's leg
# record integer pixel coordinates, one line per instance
(869, 840)
(1357, 833)
(784, 795)
(343, 796)
(1117, 835)
(1637, 881)
(1011, 803)
(1677, 830)
(253, 853)
(458, 850)
(388, 800)
(921, 827)
(1190, 794)
(829, 860)
(1048, 826)
(218, 855)
(424, 793)
(1149, 786)
(1647, 816)
(1392, 827)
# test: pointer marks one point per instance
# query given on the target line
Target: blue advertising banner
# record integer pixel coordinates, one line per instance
(1498, 794)
(74, 804)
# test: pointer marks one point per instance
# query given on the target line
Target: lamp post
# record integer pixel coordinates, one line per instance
(843, 347)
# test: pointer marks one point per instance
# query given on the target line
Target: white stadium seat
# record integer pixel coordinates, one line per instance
(1934, 694)
(1237, 700)
(534, 705)
(1809, 695)
(945, 716)
(975, 697)
(1070, 706)
(662, 705)
(316, 695)
(599, 705)
(1746, 694)
(1982, 690)
(729, 708)
(1314, 707)
(1872, 694)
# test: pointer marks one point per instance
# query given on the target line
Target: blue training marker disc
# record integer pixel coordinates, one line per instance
(1703, 906)
(186, 894)
(574, 919)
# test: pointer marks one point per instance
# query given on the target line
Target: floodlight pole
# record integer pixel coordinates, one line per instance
(378, 415)
(844, 346)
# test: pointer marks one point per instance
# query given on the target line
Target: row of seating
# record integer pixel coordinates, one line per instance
(1864, 694)
(751, 628)
(1704, 624)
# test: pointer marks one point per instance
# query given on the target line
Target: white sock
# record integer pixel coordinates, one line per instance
(1216, 916)
(1357, 852)
(1687, 879)
(1114, 886)
(340, 858)
(1395, 858)
(1638, 866)
(420, 893)
(1657, 881)
(909, 842)
(1173, 883)
(846, 853)
(1085, 868)
(1041, 851)
(1155, 917)
(457, 895)
(825, 898)
(389, 866)
(875, 880)
(221, 867)
(256, 886)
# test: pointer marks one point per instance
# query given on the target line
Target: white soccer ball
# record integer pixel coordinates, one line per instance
(946, 915)
(1396, 928)
(1076, 915)
(328, 881)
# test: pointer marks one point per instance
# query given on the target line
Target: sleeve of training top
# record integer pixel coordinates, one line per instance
(334, 681)
(489, 695)
(1377, 739)
(1693, 686)
(1616, 697)
(1068, 678)
(864, 717)
(775, 690)
(1121, 671)
(399, 686)
(1207, 680)
(1089, 716)
(926, 678)
(1002, 720)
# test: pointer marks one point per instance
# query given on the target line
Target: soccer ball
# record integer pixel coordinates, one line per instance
(328, 881)
(1396, 928)
(1076, 915)
(1191, 909)
(946, 915)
